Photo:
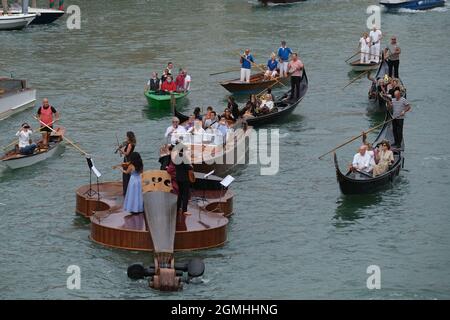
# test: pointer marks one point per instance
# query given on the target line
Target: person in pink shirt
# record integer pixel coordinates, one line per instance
(295, 68)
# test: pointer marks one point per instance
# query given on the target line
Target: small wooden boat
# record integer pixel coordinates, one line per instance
(361, 182)
(15, 96)
(395, 5)
(163, 100)
(16, 21)
(256, 84)
(377, 99)
(14, 160)
(357, 66)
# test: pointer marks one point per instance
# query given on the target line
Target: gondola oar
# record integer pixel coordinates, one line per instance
(226, 71)
(356, 78)
(354, 138)
(64, 137)
(353, 56)
(370, 54)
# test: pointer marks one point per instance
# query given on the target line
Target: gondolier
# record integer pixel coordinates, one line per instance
(400, 106)
(375, 37)
(283, 55)
(45, 115)
(246, 66)
(392, 53)
(296, 72)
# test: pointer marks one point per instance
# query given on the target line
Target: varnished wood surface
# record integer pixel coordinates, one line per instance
(112, 226)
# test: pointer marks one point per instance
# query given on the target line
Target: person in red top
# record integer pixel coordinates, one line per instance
(45, 115)
(179, 81)
(169, 85)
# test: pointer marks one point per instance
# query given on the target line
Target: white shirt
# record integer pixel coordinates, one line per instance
(375, 35)
(362, 162)
(24, 138)
(187, 82)
(171, 132)
(364, 43)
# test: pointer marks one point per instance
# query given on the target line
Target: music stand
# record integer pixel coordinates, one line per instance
(91, 192)
(206, 176)
(225, 184)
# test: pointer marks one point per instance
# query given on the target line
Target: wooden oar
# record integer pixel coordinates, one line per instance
(226, 71)
(354, 138)
(352, 56)
(64, 137)
(259, 67)
(356, 78)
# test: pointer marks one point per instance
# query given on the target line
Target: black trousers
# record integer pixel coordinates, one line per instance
(183, 195)
(393, 64)
(295, 86)
(125, 180)
(397, 127)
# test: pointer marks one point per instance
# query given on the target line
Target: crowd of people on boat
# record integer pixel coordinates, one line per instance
(169, 82)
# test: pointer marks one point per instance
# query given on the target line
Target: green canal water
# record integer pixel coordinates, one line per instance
(293, 235)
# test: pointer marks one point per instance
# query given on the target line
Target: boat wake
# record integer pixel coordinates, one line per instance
(260, 4)
(437, 9)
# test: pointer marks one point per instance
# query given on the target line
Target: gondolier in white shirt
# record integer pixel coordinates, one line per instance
(375, 37)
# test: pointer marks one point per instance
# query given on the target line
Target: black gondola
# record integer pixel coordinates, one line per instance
(361, 182)
(282, 107)
(377, 99)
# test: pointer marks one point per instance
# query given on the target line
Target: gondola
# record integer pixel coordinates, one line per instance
(377, 99)
(256, 84)
(282, 107)
(363, 183)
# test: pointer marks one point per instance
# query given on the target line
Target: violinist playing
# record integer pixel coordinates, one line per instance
(126, 149)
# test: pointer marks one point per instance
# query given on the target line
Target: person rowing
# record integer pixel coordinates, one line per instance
(45, 115)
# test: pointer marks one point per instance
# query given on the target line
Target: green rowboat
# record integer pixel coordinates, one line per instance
(162, 100)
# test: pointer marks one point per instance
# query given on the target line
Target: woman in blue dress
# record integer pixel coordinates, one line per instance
(133, 201)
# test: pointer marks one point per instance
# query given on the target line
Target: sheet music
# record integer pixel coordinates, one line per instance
(227, 181)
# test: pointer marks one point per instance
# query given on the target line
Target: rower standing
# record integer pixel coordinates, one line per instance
(246, 66)
(400, 106)
(364, 48)
(296, 71)
(392, 53)
(283, 55)
(375, 37)
(45, 115)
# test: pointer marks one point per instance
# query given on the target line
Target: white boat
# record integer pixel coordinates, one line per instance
(15, 96)
(43, 15)
(16, 21)
(14, 160)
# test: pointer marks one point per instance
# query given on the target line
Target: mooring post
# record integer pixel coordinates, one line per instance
(51, 4)
(61, 5)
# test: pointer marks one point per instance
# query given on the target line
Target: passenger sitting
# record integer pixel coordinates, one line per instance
(266, 104)
(362, 160)
(272, 66)
(394, 87)
(251, 106)
(190, 122)
(207, 115)
(385, 159)
(223, 127)
(212, 122)
(227, 115)
(197, 128)
(26, 147)
(168, 85)
(197, 114)
(153, 83)
(164, 76)
(233, 106)
(179, 81)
